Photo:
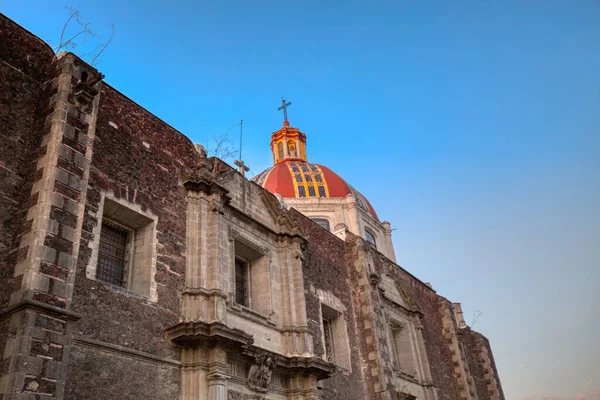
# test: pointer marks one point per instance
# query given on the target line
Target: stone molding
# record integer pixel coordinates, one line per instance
(124, 351)
(40, 306)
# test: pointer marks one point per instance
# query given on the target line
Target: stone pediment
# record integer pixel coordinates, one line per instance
(392, 291)
(284, 223)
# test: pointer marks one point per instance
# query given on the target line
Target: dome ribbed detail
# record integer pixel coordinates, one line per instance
(298, 179)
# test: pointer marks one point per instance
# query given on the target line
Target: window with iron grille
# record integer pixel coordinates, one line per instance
(250, 276)
(370, 238)
(336, 347)
(328, 337)
(112, 254)
(124, 248)
(241, 282)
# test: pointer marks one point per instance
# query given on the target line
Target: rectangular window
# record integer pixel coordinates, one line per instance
(251, 277)
(370, 238)
(124, 252)
(328, 338)
(241, 282)
(113, 254)
(403, 357)
(336, 347)
(323, 222)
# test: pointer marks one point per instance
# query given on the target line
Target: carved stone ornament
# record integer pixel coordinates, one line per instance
(374, 278)
(85, 92)
(260, 373)
(235, 395)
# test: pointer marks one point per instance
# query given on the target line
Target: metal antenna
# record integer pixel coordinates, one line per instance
(241, 124)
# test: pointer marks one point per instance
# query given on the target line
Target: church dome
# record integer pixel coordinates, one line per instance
(292, 176)
(301, 179)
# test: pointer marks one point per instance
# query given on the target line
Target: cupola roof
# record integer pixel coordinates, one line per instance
(292, 176)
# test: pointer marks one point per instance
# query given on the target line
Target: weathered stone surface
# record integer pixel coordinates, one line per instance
(97, 374)
(325, 268)
(73, 336)
(24, 68)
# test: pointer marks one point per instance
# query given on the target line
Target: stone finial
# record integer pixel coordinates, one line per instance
(200, 149)
(201, 178)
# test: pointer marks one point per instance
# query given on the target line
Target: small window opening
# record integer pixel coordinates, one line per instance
(370, 238)
(322, 222)
(241, 282)
(84, 76)
(402, 349)
(112, 254)
(251, 277)
(280, 150)
(328, 337)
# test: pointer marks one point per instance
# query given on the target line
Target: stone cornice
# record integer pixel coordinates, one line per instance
(39, 306)
(308, 365)
(199, 332)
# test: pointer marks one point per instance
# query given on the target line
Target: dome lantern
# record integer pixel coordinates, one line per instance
(288, 144)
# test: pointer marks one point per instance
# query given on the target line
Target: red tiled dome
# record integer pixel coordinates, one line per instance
(299, 179)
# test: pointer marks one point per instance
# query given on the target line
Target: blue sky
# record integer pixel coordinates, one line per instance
(473, 127)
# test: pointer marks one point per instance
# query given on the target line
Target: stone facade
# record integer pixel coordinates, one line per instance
(225, 293)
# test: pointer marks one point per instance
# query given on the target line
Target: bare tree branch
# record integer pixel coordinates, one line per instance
(81, 35)
(222, 147)
(104, 45)
(476, 315)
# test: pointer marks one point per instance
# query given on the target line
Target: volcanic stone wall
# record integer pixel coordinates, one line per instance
(325, 269)
(140, 159)
(60, 156)
(481, 365)
(429, 303)
(454, 355)
(26, 63)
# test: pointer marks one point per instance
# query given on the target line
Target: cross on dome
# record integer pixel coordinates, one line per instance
(284, 106)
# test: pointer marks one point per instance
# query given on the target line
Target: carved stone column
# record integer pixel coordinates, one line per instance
(206, 271)
(218, 374)
(311, 391)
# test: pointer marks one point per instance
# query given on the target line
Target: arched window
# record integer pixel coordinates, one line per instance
(324, 223)
(370, 237)
(280, 150)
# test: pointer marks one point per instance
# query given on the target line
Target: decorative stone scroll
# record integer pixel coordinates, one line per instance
(260, 373)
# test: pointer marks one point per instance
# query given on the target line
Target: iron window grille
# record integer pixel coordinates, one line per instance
(328, 337)
(370, 238)
(241, 282)
(113, 254)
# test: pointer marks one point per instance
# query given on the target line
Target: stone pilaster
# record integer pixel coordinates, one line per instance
(297, 339)
(207, 275)
(218, 373)
(39, 318)
(461, 369)
(423, 362)
(490, 377)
